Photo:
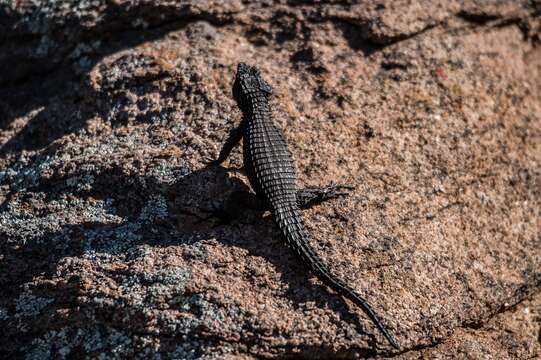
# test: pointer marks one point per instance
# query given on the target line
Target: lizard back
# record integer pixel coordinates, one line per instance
(267, 160)
(270, 170)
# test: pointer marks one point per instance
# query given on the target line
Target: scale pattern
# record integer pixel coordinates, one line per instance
(270, 170)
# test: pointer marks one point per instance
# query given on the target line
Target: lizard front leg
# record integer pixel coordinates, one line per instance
(233, 139)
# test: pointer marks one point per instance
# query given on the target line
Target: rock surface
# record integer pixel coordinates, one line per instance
(109, 109)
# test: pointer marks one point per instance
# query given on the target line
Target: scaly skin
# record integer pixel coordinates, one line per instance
(270, 170)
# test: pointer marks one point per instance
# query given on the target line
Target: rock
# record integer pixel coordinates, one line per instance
(108, 246)
(511, 334)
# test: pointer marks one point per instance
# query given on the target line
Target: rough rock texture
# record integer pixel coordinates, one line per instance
(108, 110)
(507, 335)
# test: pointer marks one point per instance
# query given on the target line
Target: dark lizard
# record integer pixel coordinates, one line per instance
(269, 167)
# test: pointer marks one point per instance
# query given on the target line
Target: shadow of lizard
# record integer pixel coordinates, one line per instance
(189, 199)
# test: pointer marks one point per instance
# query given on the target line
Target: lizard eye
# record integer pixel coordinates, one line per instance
(264, 86)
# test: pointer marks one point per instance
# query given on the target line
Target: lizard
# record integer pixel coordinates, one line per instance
(269, 167)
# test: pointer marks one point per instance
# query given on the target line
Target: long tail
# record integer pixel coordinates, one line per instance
(290, 223)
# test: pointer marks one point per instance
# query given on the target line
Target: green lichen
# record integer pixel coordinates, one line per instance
(27, 306)
(113, 344)
(110, 242)
(4, 314)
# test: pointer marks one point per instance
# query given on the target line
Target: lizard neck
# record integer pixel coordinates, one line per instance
(255, 107)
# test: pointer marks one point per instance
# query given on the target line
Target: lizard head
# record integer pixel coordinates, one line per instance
(248, 81)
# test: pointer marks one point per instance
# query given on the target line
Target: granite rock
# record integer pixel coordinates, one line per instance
(109, 243)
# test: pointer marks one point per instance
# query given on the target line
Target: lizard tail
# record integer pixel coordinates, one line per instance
(291, 226)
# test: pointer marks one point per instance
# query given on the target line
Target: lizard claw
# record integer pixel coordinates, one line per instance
(316, 195)
(334, 190)
(210, 161)
(342, 189)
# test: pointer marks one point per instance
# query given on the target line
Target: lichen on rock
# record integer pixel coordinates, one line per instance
(110, 246)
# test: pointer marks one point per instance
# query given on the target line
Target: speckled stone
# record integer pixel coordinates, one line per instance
(109, 110)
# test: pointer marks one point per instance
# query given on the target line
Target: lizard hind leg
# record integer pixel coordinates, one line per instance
(238, 202)
(310, 196)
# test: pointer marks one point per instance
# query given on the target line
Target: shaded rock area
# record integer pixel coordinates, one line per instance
(109, 110)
